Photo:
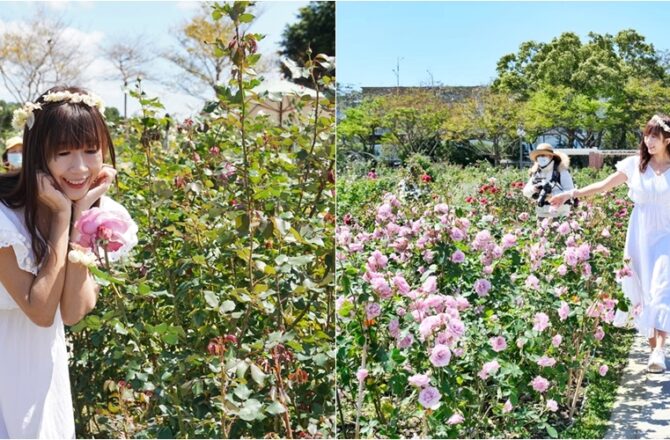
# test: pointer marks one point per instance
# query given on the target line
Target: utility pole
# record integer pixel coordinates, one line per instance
(396, 71)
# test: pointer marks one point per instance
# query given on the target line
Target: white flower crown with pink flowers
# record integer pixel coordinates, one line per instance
(657, 119)
(25, 116)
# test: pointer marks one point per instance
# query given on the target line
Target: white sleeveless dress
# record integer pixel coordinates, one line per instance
(648, 246)
(35, 394)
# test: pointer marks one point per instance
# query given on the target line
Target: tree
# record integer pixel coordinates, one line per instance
(584, 90)
(38, 56)
(315, 30)
(129, 58)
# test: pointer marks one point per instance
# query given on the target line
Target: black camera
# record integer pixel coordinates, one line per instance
(545, 191)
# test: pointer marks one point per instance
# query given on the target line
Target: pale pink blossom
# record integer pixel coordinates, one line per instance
(405, 341)
(456, 234)
(430, 285)
(552, 405)
(563, 311)
(455, 419)
(508, 241)
(524, 216)
(458, 257)
(498, 343)
(599, 334)
(429, 397)
(489, 368)
(562, 269)
(540, 321)
(556, 340)
(419, 380)
(546, 361)
(361, 374)
(440, 355)
(507, 407)
(532, 282)
(401, 284)
(603, 370)
(482, 287)
(372, 310)
(540, 384)
(564, 228)
(381, 287)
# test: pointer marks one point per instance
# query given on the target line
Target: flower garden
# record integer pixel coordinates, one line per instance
(461, 315)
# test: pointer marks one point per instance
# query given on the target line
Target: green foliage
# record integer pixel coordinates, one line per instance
(223, 328)
(315, 29)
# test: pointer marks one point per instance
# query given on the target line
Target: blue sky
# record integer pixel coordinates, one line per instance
(94, 24)
(461, 42)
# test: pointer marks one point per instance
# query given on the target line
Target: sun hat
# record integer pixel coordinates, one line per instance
(13, 142)
(547, 149)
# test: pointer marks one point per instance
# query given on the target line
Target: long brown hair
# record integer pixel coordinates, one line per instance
(653, 128)
(58, 126)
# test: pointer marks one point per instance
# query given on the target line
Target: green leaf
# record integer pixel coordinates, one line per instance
(211, 299)
(552, 431)
(251, 410)
(227, 306)
(257, 375)
(276, 408)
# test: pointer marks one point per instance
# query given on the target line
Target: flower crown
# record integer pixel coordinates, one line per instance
(661, 122)
(25, 115)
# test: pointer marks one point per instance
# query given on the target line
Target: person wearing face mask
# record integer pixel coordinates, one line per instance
(13, 155)
(549, 176)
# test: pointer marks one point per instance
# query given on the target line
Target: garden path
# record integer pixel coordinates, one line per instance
(642, 406)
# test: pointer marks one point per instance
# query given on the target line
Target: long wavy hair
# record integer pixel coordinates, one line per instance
(652, 128)
(58, 126)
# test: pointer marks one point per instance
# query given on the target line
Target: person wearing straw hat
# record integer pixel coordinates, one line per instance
(549, 176)
(12, 157)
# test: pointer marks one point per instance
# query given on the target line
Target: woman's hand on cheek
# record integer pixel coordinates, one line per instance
(98, 188)
(51, 197)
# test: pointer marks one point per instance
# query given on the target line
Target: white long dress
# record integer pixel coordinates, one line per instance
(35, 394)
(648, 246)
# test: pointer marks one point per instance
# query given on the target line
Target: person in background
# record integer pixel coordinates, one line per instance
(549, 176)
(12, 158)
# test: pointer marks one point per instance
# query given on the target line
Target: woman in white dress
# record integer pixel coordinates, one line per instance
(65, 141)
(648, 239)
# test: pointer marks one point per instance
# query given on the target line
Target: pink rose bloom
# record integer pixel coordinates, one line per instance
(458, 352)
(498, 343)
(603, 370)
(361, 374)
(556, 340)
(394, 327)
(564, 228)
(521, 342)
(430, 285)
(606, 233)
(599, 334)
(372, 310)
(377, 261)
(488, 369)
(562, 269)
(546, 361)
(508, 241)
(428, 325)
(419, 380)
(563, 311)
(406, 341)
(456, 234)
(381, 287)
(540, 321)
(441, 208)
(428, 255)
(429, 397)
(488, 270)
(571, 257)
(540, 384)
(457, 327)
(458, 257)
(507, 407)
(455, 419)
(482, 287)
(524, 216)
(115, 227)
(584, 252)
(462, 303)
(440, 355)
(401, 284)
(384, 212)
(560, 290)
(552, 405)
(532, 282)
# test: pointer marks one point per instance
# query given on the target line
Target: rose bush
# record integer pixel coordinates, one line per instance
(487, 322)
(224, 325)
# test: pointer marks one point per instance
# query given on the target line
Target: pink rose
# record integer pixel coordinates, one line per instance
(532, 282)
(556, 340)
(564, 311)
(488, 369)
(552, 405)
(498, 343)
(540, 321)
(109, 226)
(458, 257)
(507, 407)
(455, 419)
(482, 287)
(429, 397)
(372, 310)
(546, 361)
(440, 355)
(361, 374)
(419, 380)
(603, 370)
(401, 284)
(540, 384)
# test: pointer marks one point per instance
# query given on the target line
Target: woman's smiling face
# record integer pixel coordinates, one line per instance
(75, 170)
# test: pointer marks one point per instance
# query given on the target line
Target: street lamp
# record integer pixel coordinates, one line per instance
(521, 133)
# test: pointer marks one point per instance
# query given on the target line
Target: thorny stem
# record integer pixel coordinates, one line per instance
(361, 387)
(281, 394)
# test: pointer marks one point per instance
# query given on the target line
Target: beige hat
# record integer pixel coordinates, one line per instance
(547, 149)
(13, 142)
